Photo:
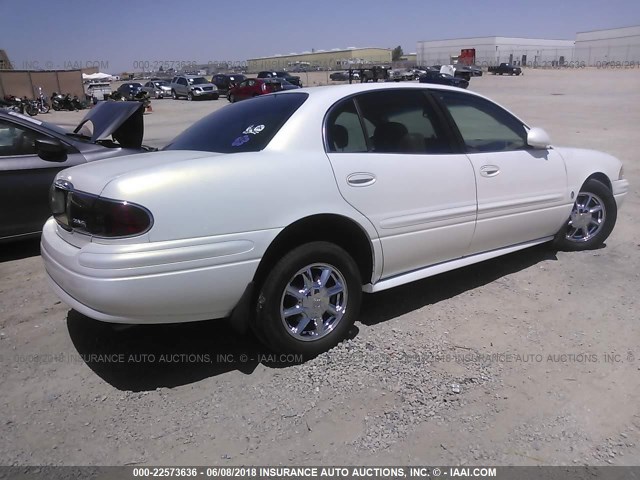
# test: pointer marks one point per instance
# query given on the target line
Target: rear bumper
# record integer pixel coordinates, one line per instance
(169, 282)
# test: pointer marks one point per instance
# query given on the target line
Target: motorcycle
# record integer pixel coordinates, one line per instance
(66, 102)
(9, 103)
(41, 102)
(58, 101)
(21, 105)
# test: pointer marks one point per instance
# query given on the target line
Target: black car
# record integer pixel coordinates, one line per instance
(339, 76)
(130, 90)
(443, 79)
(32, 152)
(225, 81)
(295, 80)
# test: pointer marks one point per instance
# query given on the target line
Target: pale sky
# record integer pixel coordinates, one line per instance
(120, 35)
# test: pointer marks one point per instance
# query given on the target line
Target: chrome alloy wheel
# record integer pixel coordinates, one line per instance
(587, 218)
(314, 302)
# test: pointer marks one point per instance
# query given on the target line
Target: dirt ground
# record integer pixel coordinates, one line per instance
(529, 359)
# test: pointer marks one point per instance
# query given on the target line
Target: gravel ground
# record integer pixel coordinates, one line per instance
(529, 359)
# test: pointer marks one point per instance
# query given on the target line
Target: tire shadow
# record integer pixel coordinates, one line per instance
(146, 357)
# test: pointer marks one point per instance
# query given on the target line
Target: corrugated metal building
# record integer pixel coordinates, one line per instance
(325, 59)
(599, 47)
(495, 50)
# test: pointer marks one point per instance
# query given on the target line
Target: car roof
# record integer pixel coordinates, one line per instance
(324, 96)
(336, 92)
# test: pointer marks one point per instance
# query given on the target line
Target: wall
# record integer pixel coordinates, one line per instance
(25, 83)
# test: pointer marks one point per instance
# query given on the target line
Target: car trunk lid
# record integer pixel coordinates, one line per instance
(93, 177)
(122, 120)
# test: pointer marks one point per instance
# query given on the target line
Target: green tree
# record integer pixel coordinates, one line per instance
(396, 53)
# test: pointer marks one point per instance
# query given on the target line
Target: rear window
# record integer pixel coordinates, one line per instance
(246, 126)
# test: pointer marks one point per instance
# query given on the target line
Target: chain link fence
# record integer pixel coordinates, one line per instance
(608, 56)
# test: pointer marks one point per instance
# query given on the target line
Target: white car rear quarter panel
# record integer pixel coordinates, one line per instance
(154, 282)
(225, 194)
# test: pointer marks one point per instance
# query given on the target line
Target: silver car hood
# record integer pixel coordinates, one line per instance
(121, 120)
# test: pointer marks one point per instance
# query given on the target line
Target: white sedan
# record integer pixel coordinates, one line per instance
(281, 210)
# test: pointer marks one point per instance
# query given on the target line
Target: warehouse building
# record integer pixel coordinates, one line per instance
(599, 47)
(324, 59)
(495, 50)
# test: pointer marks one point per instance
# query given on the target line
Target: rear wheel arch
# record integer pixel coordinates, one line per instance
(332, 228)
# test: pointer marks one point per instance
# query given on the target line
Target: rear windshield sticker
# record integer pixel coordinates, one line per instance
(254, 130)
(240, 140)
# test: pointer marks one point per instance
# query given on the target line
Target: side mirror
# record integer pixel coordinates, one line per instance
(538, 138)
(51, 150)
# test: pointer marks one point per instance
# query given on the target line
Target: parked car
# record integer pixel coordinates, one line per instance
(98, 91)
(193, 87)
(342, 76)
(224, 82)
(295, 80)
(304, 199)
(401, 74)
(339, 76)
(33, 152)
(129, 90)
(475, 70)
(505, 69)
(252, 87)
(443, 79)
(157, 88)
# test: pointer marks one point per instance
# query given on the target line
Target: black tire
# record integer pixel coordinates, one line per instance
(215, 97)
(32, 109)
(231, 98)
(272, 299)
(595, 204)
(174, 95)
(190, 96)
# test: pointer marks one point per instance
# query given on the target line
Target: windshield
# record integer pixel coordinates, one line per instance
(197, 81)
(161, 84)
(246, 126)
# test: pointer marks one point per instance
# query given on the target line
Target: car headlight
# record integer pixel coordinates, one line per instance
(621, 174)
(197, 89)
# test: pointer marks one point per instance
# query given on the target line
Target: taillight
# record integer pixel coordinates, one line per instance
(264, 87)
(114, 218)
(102, 217)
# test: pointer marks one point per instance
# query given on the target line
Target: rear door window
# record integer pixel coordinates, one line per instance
(395, 121)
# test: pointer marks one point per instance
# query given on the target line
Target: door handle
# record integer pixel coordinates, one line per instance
(361, 179)
(489, 170)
